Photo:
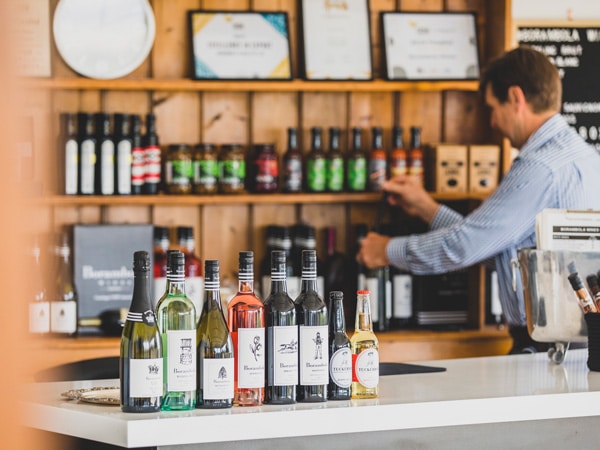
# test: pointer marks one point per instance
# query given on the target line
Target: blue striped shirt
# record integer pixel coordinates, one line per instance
(555, 169)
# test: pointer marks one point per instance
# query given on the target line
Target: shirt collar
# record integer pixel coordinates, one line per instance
(545, 132)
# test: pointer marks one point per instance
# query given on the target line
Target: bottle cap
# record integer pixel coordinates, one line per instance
(336, 295)
(141, 260)
(575, 281)
(363, 292)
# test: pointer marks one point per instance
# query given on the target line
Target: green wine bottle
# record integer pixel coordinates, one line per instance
(176, 316)
(215, 347)
(140, 362)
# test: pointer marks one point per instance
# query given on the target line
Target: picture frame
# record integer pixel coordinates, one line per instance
(335, 40)
(430, 46)
(239, 45)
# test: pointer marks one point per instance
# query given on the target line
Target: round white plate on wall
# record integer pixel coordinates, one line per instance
(104, 39)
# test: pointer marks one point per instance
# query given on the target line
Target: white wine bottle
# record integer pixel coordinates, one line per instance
(140, 362)
(365, 351)
(176, 317)
(215, 347)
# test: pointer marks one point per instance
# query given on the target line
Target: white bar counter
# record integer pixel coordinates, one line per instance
(521, 401)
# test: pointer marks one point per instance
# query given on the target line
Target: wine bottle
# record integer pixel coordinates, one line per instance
(340, 355)
(397, 162)
(313, 352)
(152, 157)
(292, 164)
(39, 307)
(583, 296)
(215, 347)
(281, 342)
(87, 153)
(137, 156)
(357, 164)
(415, 155)
(335, 162)
(69, 149)
(105, 154)
(402, 294)
(176, 317)
(161, 245)
(246, 323)
(194, 283)
(594, 285)
(140, 361)
(365, 351)
(315, 163)
(63, 307)
(123, 156)
(377, 167)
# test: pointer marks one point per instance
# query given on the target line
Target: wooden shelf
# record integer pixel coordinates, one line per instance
(146, 84)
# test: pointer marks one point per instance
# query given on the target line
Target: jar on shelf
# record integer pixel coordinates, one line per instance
(178, 169)
(232, 169)
(206, 169)
(264, 175)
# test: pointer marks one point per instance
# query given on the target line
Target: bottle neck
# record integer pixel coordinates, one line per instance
(141, 294)
(363, 313)
(377, 139)
(316, 139)
(212, 292)
(397, 138)
(292, 139)
(246, 283)
(415, 139)
(278, 278)
(176, 281)
(309, 279)
(338, 323)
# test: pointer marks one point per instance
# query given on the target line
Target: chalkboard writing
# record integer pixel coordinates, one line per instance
(575, 51)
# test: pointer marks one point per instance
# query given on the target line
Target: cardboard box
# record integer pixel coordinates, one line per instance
(484, 168)
(447, 168)
(103, 267)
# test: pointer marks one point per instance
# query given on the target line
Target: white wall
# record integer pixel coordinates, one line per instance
(581, 10)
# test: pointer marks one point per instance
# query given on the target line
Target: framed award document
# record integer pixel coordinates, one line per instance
(430, 46)
(240, 45)
(336, 40)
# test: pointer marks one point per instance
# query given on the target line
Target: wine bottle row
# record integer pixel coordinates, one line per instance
(276, 351)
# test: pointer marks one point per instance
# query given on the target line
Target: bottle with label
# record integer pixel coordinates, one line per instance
(39, 307)
(415, 155)
(178, 169)
(206, 169)
(265, 169)
(194, 280)
(232, 169)
(152, 157)
(340, 354)
(63, 307)
(379, 284)
(397, 163)
(69, 149)
(377, 167)
(402, 296)
(313, 337)
(176, 316)
(365, 351)
(292, 164)
(87, 153)
(140, 361)
(123, 157)
(246, 321)
(315, 163)
(281, 363)
(105, 154)
(357, 164)
(335, 162)
(137, 156)
(215, 347)
(161, 245)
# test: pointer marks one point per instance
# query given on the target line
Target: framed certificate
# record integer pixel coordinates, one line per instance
(336, 40)
(240, 45)
(430, 46)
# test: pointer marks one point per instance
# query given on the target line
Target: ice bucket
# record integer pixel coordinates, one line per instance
(553, 313)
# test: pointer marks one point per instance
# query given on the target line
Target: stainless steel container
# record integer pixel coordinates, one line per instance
(552, 309)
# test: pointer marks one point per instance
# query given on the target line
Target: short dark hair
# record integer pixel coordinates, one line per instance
(529, 69)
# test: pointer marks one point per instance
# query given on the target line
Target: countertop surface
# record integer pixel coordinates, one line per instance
(471, 391)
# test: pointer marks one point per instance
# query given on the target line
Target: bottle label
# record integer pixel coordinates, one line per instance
(152, 157)
(232, 173)
(39, 317)
(340, 367)
(398, 165)
(181, 360)
(71, 167)
(366, 368)
(251, 357)
(63, 317)
(284, 342)
(206, 172)
(194, 289)
(107, 180)
(357, 174)
(124, 160)
(217, 378)
(314, 355)
(335, 174)
(316, 174)
(267, 172)
(146, 377)
(88, 162)
(179, 173)
(377, 173)
(137, 167)
(148, 317)
(293, 175)
(402, 288)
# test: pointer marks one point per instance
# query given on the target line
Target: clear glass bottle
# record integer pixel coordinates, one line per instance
(315, 163)
(340, 354)
(356, 163)
(178, 169)
(63, 306)
(215, 346)
(176, 317)
(123, 153)
(281, 363)
(365, 351)
(335, 162)
(377, 170)
(292, 164)
(246, 320)
(313, 335)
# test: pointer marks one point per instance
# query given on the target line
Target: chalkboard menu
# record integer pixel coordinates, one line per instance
(575, 51)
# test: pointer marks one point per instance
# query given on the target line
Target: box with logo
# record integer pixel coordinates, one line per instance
(484, 168)
(446, 168)
(103, 269)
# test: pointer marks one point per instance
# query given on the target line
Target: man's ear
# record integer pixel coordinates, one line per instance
(516, 96)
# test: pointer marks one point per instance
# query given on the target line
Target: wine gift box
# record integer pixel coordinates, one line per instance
(484, 165)
(103, 269)
(446, 168)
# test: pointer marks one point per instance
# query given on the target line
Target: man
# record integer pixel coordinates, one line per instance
(555, 169)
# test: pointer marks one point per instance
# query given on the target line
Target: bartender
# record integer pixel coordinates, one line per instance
(555, 168)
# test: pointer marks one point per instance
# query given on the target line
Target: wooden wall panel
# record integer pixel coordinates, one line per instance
(372, 110)
(225, 118)
(126, 214)
(130, 102)
(464, 118)
(322, 109)
(321, 216)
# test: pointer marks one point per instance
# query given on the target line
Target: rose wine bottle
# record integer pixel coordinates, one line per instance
(140, 362)
(365, 351)
(246, 322)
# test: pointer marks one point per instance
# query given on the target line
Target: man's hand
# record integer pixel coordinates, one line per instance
(408, 193)
(372, 251)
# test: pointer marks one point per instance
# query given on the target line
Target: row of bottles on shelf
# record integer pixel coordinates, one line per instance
(104, 159)
(276, 351)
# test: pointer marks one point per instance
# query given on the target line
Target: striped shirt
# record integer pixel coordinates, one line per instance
(555, 169)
